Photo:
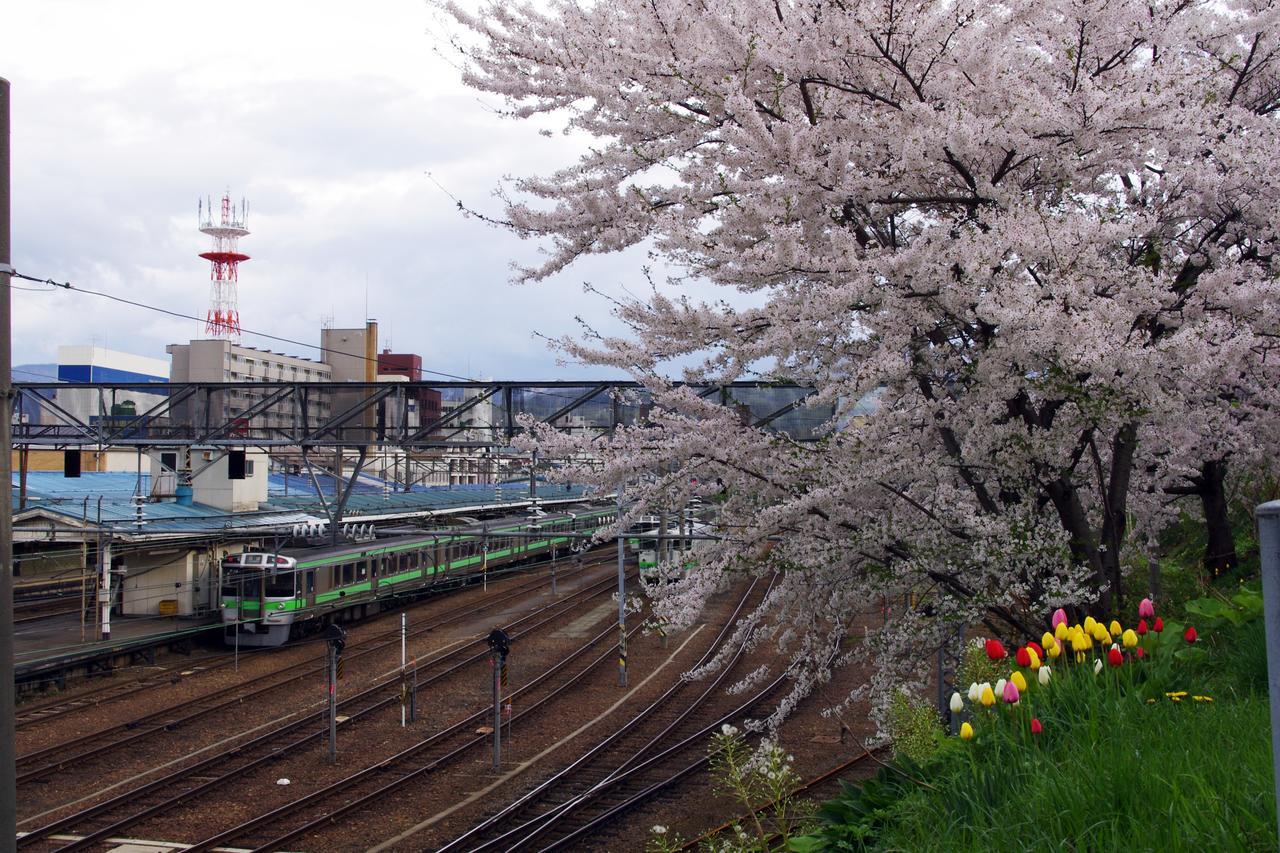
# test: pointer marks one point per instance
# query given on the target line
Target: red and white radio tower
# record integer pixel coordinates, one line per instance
(223, 318)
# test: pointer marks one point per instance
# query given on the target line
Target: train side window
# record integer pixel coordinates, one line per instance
(311, 582)
(362, 570)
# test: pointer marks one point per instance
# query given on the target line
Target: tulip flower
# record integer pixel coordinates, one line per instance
(1158, 626)
(1146, 609)
(966, 731)
(1061, 632)
(1059, 618)
(1114, 628)
(1036, 728)
(1140, 652)
(1079, 642)
(1019, 681)
(1044, 676)
(1035, 658)
(988, 697)
(1055, 650)
(1114, 657)
(1129, 639)
(1142, 627)
(1011, 694)
(1023, 657)
(1033, 646)
(1190, 635)
(1097, 666)
(975, 692)
(957, 703)
(1047, 640)
(995, 650)
(1000, 687)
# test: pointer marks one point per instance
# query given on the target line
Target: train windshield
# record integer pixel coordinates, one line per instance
(251, 575)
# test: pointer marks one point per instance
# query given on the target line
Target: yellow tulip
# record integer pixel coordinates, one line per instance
(966, 731)
(1019, 681)
(1061, 632)
(1104, 637)
(1035, 658)
(1114, 627)
(988, 697)
(1053, 651)
(1129, 638)
(1089, 624)
(1079, 642)
(1047, 640)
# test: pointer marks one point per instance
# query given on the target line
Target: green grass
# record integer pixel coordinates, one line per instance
(1110, 772)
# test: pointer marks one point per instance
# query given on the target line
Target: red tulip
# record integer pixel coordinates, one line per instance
(1190, 635)
(1141, 654)
(1159, 625)
(1037, 648)
(995, 651)
(1036, 728)
(1114, 657)
(1142, 627)
(1022, 657)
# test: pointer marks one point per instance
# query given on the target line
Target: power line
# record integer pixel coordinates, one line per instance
(66, 285)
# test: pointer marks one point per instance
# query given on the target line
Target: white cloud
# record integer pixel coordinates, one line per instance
(327, 119)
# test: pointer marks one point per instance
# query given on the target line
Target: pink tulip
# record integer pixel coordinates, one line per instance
(1059, 617)
(1011, 693)
(1146, 610)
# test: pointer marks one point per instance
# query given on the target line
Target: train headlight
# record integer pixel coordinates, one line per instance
(280, 606)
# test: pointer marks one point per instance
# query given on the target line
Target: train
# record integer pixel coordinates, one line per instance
(268, 598)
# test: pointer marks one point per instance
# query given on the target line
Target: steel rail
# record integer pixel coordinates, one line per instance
(163, 719)
(823, 777)
(697, 739)
(387, 765)
(269, 741)
(471, 839)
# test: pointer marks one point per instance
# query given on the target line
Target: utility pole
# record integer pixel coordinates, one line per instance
(622, 598)
(8, 780)
(499, 648)
(336, 640)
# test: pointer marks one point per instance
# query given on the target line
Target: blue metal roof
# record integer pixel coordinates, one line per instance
(74, 497)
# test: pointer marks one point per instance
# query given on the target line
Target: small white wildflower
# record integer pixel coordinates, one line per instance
(728, 730)
(659, 829)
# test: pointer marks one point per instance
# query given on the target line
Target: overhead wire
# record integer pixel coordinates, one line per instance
(69, 286)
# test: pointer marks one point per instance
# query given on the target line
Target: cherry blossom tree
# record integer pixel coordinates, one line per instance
(1037, 234)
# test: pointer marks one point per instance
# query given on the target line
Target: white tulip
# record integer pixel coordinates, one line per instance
(975, 692)
(1044, 676)
(1097, 666)
(957, 703)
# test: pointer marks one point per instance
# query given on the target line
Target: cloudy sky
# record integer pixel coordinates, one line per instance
(328, 117)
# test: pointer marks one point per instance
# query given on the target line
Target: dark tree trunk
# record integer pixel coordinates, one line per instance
(1220, 547)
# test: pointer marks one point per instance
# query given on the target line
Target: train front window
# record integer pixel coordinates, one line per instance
(280, 585)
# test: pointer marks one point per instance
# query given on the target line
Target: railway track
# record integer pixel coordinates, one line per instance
(31, 714)
(317, 810)
(550, 804)
(803, 788)
(109, 818)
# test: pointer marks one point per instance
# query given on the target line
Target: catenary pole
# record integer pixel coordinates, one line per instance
(8, 781)
(622, 598)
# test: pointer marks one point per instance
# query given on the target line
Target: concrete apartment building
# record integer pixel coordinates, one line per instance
(216, 360)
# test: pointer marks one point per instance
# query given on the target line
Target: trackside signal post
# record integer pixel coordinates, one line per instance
(336, 639)
(499, 648)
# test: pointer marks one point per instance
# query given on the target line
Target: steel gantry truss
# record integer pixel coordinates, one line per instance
(278, 414)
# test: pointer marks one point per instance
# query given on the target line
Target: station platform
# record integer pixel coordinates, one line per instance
(49, 651)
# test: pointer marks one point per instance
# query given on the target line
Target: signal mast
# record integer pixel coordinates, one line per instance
(223, 317)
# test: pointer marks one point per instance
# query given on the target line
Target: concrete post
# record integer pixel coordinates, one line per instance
(1268, 516)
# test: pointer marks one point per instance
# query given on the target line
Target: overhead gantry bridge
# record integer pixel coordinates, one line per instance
(405, 415)
(407, 433)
